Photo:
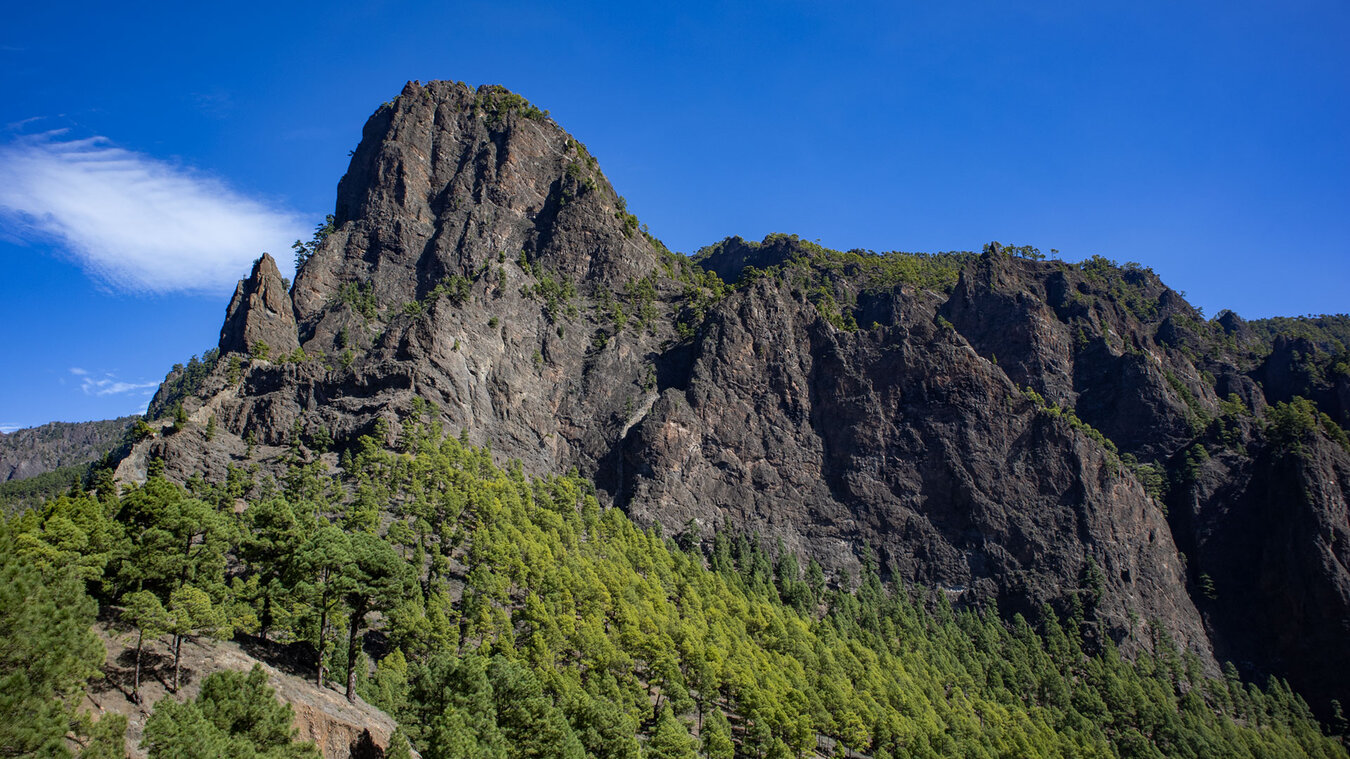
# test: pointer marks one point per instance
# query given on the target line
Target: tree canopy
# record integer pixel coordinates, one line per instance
(514, 616)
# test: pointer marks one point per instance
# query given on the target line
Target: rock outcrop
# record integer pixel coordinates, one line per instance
(322, 715)
(904, 438)
(1013, 432)
(260, 316)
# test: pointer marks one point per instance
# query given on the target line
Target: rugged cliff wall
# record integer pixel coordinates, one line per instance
(1013, 431)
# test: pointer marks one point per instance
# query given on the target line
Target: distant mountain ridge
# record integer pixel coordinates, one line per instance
(1012, 430)
(34, 450)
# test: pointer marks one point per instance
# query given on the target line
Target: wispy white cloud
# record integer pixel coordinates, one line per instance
(108, 384)
(8, 428)
(136, 222)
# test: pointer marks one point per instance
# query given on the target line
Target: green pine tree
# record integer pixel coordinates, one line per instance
(48, 652)
(377, 580)
(143, 611)
(717, 742)
(236, 714)
(670, 740)
(191, 612)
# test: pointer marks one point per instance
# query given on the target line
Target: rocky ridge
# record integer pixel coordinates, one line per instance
(1013, 431)
(32, 451)
(260, 314)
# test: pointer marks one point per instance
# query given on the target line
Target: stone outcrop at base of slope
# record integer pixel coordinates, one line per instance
(340, 729)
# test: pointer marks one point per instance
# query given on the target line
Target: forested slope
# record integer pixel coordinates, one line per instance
(38, 462)
(498, 614)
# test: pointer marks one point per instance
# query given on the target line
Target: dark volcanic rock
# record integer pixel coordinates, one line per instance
(997, 428)
(903, 438)
(480, 261)
(1266, 529)
(446, 182)
(729, 258)
(260, 313)
(1063, 333)
(1297, 367)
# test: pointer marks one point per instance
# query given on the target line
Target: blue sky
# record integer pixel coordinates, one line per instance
(148, 154)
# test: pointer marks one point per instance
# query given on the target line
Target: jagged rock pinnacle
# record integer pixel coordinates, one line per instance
(260, 313)
(449, 179)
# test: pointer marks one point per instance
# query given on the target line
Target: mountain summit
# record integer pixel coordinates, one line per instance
(1013, 431)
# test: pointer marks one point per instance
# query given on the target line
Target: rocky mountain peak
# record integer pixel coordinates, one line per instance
(730, 257)
(260, 313)
(447, 180)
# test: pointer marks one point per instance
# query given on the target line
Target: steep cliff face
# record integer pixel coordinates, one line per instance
(445, 181)
(260, 316)
(1263, 519)
(904, 438)
(1014, 432)
(481, 262)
